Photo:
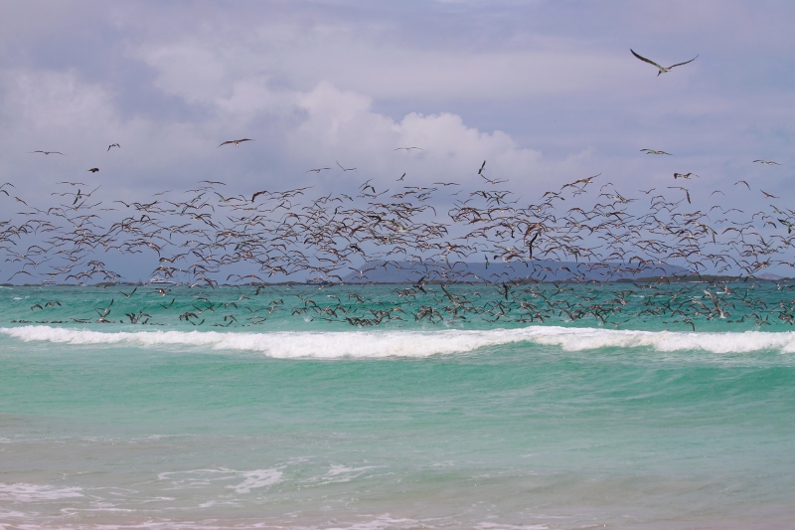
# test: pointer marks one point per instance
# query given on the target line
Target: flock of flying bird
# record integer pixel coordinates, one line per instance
(431, 233)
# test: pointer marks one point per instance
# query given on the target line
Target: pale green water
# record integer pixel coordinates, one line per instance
(301, 422)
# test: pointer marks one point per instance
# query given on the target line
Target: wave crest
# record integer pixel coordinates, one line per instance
(368, 344)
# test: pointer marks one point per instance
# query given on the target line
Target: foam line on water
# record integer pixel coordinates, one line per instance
(198, 478)
(379, 344)
(21, 492)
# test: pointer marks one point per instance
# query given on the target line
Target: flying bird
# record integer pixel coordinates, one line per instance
(94, 169)
(317, 170)
(683, 175)
(114, 145)
(409, 148)
(257, 194)
(237, 142)
(654, 152)
(687, 192)
(530, 244)
(346, 168)
(49, 152)
(767, 162)
(663, 69)
(480, 171)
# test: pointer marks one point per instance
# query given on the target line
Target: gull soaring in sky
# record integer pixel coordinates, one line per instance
(663, 69)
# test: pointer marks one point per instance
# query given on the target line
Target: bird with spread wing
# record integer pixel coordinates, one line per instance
(663, 69)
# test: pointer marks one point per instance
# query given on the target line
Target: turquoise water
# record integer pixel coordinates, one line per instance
(300, 419)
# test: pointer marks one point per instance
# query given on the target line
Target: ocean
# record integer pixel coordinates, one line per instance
(494, 414)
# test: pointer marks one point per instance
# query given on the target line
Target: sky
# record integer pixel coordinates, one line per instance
(546, 91)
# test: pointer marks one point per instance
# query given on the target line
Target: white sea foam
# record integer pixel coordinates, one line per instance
(21, 492)
(379, 344)
(259, 478)
(497, 526)
(339, 474)
(200, 478)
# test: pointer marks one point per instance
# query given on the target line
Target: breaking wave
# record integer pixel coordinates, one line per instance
(366, 344)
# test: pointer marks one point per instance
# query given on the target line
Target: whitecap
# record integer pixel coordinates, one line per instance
(382, 344)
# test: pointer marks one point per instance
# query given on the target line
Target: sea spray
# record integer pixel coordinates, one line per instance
(380, 344)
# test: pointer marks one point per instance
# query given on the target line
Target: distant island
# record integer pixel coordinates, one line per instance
(536, 270)
(541, 271)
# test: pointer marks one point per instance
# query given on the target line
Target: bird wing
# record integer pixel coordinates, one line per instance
(227, 142)
(645, 60)
(680, 64)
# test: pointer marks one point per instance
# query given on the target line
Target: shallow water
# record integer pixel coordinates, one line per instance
(313, 424)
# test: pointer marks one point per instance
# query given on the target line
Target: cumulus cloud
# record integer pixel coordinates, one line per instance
(544, 93)
(294, 130)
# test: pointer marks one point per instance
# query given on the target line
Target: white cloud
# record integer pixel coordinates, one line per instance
(381, 70)
(341, 123)
(318, 83)
(295, 131)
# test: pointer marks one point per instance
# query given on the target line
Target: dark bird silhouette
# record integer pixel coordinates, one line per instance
(530, 244)
(654, 152)
(113, 145)
(257, 194)
(94, 169)
(687, 192)
(236, 142)
(49, 152)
